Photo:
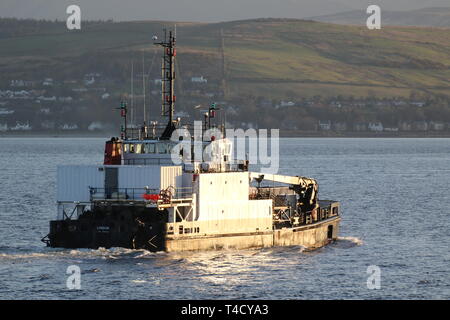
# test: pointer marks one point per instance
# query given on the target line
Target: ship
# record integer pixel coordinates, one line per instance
(138, 198)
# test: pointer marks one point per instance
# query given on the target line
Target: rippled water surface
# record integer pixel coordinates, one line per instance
(396, 215)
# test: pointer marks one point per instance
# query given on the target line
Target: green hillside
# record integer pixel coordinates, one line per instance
(426, 17)
(267, 57)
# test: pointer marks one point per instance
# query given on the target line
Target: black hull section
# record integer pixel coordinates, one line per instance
(138, 227)
(113, 226)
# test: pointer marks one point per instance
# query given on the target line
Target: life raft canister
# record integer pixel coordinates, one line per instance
(151, 197)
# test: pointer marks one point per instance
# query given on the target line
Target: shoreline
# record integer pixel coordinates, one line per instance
(352, 134)
(283, 134)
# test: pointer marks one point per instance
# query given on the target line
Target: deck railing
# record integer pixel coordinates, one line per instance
(139, 194)
(148, 161)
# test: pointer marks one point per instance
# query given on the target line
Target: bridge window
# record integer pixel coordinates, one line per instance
(149, 148)
(138, 148)
(163, 148)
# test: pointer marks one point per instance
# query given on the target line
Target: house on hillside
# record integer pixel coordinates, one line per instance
(335, 104)
(96, 126)
(284, 104)
(43, 98)
(79, 90)
(17, 83)
(5, 111)
(200, 79)
(89, 81)
(324, 125)
(375, 126)
(68, 126)
(437, 125)
(287, 104)
(419, 104)
(21, 127)
(44, 111)
(391, 129)
(91, 78)
(48, 82)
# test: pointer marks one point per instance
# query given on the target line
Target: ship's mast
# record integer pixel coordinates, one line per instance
(168, 81)
(132, 94)
(143, 87)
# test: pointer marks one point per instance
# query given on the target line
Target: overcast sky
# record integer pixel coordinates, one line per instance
(200, 10)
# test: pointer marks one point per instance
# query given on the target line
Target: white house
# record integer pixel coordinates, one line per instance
(42, 98)
(89, 81)
(17, 83)
(437, 125)
(325, 125)
(391, 129)
(96, 126)
(375, 126)
(48, 82)
(21, 127)
(287, 104)
(68, 127)
(4, 111)
(199, 80)
(418, 103)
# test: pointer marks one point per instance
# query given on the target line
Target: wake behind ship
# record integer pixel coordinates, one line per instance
(139, 199)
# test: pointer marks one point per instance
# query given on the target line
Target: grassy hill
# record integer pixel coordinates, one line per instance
(427, 17)
(275, 58)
